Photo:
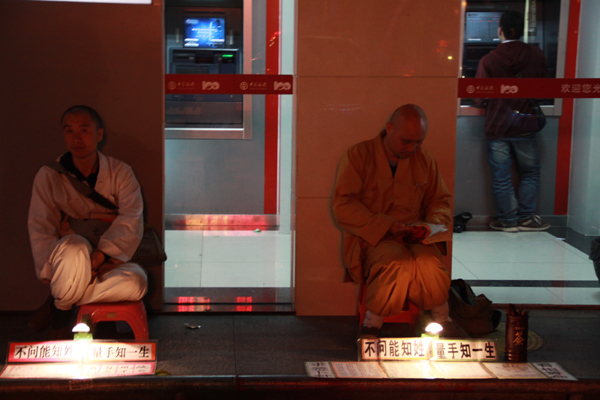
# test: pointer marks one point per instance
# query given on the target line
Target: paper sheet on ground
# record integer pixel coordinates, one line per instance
(513, 370)
(554, 371)
(363, 369)
(410, 369)
(320, 369)
(462, 370)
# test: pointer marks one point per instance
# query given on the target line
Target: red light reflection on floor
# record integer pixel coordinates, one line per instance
(192, 308)
(193, 300)
(245, 300)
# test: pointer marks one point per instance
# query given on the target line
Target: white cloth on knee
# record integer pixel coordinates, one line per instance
(373, 320)
(72, 273)
(441, 313)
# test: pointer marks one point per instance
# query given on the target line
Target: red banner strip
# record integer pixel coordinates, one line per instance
(272, 110)
(539, 88)
(228, 84)
(565, 123)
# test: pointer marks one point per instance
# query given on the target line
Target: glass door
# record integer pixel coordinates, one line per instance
(229, 157)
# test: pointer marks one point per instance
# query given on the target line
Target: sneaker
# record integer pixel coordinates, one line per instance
(533, 224)
(501, 226)
(368, 332)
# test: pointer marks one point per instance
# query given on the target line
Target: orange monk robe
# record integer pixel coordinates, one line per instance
(367, 200)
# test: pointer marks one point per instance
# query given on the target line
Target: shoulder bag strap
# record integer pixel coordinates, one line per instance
(82, 187)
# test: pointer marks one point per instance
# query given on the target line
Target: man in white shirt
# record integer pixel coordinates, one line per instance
(82, 249)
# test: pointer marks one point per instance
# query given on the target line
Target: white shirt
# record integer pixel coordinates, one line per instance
(53, 193)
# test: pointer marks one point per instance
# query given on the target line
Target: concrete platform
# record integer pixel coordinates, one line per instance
(263, 356)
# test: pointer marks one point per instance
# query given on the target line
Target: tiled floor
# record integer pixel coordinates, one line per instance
(228, 259)
(524, 267)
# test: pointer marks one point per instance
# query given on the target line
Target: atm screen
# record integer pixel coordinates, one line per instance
(482, 27)
(204, 32)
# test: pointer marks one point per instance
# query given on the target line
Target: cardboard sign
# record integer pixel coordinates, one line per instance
(428, 348)
(80, 359)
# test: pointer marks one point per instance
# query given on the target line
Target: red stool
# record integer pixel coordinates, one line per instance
(410, 312)
(132, 312)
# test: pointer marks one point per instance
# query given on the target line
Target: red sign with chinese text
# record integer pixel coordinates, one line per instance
(229, 84)
(528, 88)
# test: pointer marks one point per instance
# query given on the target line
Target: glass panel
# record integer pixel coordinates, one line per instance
(226, 251)
(541, 30)
(518, 266)
(208, 37)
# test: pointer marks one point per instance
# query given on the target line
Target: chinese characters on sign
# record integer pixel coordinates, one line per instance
(64, 351)
(456, 350)
(46, 351)
(529, 88)
(228, 84)
(426, 348)
(121, 351)
(79, 358)
(395, 349)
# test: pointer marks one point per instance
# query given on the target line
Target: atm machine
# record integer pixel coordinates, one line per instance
(480, 35)
(481, 30)
(545, 27)
(203, 40)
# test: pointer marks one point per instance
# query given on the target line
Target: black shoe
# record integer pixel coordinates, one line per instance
(62, 324)
(62, 333)
(42, 317)
(534, 223)
(501, 226)
(368, 332)
(460, 221)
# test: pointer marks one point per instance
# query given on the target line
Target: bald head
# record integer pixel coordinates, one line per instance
(405, 132)
(409, 112)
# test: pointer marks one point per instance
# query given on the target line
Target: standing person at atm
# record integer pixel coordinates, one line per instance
(510, 129)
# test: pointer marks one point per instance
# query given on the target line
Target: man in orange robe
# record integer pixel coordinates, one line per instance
(393, 206)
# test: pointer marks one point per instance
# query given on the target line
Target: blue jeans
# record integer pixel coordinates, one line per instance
(524, 151)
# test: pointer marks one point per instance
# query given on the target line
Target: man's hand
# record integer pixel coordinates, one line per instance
(101, 266)
(97, 259)
(107, 267)
(416, 234)
(408, 234)
(65, 227)
(397, 229)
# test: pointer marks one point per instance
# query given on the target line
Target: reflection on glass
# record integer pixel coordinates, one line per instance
(203, 39)
(204, 111)
(481, 32)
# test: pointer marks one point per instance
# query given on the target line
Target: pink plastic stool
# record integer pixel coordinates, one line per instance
(409, 315)
(132, 312)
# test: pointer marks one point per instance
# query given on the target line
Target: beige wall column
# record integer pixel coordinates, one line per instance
(356, 62)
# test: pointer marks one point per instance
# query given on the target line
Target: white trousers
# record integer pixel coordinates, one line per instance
(72, 272)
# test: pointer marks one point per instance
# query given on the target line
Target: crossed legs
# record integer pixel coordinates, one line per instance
(72, 274)
(395, 271)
